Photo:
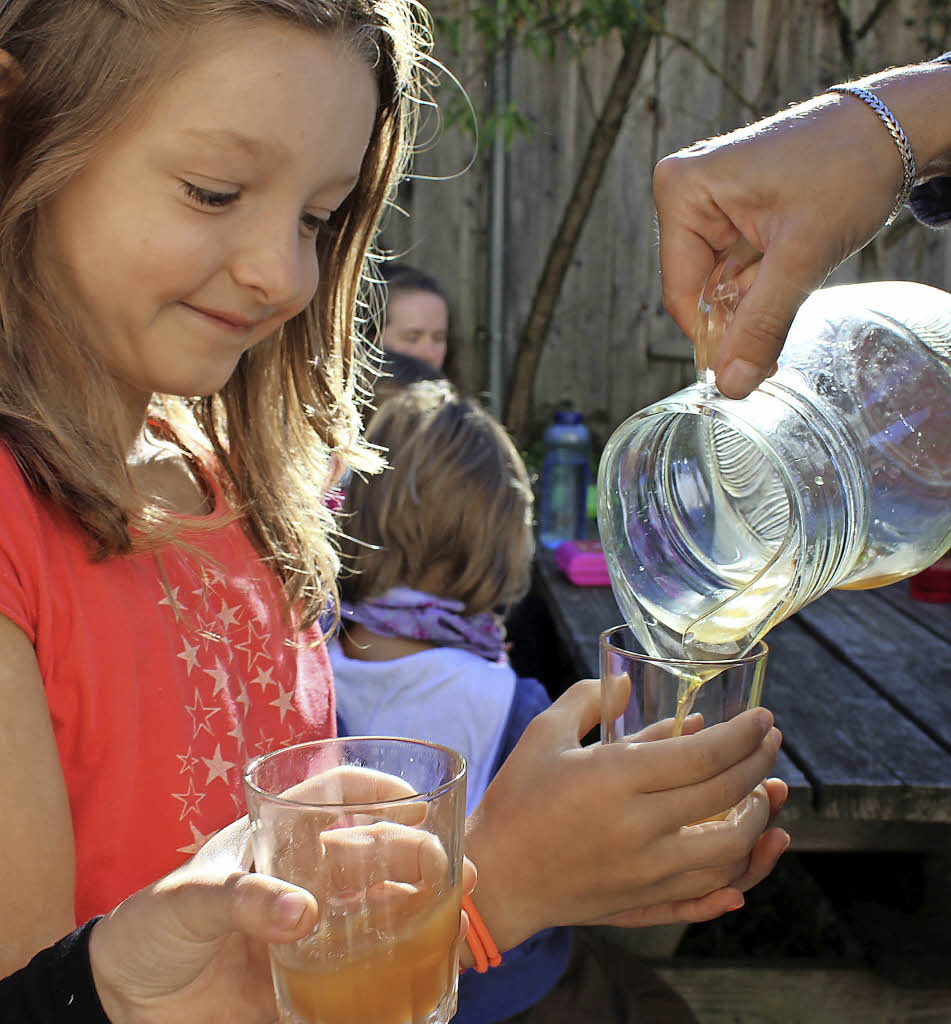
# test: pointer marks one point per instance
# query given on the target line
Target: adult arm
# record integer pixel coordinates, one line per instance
(568, 834)
(37, 869)
(805, 189)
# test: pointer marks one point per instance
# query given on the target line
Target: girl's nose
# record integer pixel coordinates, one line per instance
(279, 263)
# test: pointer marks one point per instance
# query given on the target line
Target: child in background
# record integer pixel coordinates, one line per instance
(175, 375)
(437, 549)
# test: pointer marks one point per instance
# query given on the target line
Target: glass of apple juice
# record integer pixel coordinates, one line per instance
(374, 828)
(648, 698)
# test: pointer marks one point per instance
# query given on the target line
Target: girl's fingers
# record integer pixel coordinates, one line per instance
(777, 791)
(683, 761)
(469, 875)
(358, 857)
(572, 716)
(736, 789)
(663, 730)
(350, 784)
(615, 694)
(262, 907)
(770, 847)
(689, 911)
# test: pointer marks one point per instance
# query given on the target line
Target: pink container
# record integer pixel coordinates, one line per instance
(582, 561)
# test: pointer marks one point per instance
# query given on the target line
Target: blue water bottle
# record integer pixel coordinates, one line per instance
(562, 513)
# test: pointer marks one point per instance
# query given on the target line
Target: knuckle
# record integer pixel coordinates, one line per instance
(668, 173)
(765, 329)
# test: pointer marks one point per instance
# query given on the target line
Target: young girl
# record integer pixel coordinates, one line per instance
(168, 196)
(188, 190)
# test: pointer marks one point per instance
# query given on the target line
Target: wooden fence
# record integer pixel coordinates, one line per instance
(612, 349)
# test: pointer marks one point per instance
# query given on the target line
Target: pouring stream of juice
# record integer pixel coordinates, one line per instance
(730, 623)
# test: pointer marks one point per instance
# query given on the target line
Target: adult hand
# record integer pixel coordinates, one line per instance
(569, 834)
(803, 190)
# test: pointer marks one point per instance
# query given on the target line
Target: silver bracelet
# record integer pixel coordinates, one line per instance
(901, 141)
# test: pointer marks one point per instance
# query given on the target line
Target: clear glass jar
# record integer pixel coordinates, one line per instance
(720, 518)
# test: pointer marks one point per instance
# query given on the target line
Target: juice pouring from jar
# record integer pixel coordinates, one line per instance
(720, 518)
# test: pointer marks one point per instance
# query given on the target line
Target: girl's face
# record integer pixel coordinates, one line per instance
(190, 235)
(417, 324)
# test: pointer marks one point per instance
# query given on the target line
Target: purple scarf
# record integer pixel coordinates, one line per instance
(438, 620)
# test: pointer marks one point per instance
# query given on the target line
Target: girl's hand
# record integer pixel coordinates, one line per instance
(567, 834)
(193, 946)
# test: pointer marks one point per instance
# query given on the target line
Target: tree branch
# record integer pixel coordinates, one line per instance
(708, 64)
(563, 245)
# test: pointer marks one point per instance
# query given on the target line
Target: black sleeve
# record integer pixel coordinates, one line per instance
(55, 987)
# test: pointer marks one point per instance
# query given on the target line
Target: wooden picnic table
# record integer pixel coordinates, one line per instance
(860, 685)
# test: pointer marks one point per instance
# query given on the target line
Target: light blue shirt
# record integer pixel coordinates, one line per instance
(442, 695)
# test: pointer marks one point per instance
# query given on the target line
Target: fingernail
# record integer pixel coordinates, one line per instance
(764, 719)
(289, 909)
(738, 378)
(739, 905)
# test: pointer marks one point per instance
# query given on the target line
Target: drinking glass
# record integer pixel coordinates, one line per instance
(652, 697)
(374, 828)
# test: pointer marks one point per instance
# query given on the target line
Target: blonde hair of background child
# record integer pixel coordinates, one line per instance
(79, 71)
(454, 505)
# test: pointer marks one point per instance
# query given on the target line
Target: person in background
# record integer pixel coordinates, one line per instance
(796, 194)
(397, 372)
(437, 550)
(416, 315)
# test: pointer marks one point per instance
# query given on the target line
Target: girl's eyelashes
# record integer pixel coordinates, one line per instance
(208, 197)
(311, 223)
(318, 226)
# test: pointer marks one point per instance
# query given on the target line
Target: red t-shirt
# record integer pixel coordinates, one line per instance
(164, 674)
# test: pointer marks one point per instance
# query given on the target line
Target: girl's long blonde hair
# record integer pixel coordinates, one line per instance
(80, 68)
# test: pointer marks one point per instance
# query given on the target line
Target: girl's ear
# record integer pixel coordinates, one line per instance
(11, 74)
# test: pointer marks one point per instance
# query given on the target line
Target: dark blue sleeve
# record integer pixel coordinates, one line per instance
(930, 202)
(55, 987)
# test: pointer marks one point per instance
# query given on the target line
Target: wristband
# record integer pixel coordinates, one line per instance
(909, 170)
(484, 950)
